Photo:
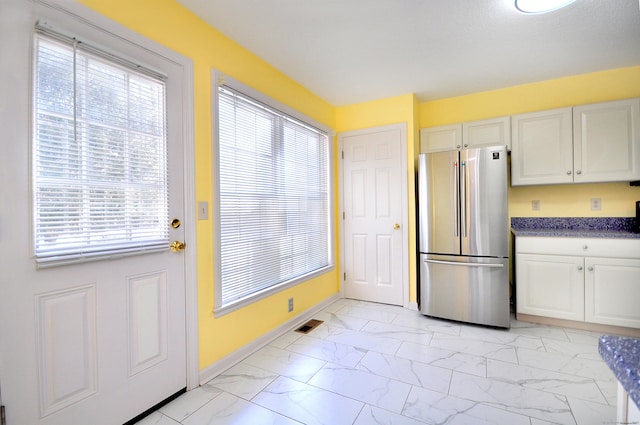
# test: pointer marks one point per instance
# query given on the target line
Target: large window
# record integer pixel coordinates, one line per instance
(99, 153)
(274, 199)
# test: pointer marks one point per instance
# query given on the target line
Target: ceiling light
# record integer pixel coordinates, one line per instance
(541, 6)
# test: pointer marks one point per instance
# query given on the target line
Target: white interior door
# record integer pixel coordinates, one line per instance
(374, 205)
(89, 342)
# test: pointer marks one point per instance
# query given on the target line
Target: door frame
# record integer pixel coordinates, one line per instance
(113, 28)
(402, 127)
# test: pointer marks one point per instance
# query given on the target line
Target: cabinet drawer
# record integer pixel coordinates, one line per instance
(586, 247)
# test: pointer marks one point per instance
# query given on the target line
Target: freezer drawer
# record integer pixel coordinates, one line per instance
(473, 290)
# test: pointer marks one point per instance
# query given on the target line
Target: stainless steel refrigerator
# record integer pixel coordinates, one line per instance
(464, 235)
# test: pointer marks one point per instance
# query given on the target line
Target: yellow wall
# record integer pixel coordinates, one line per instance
(168, 23)
(618, 199)
(394, 110)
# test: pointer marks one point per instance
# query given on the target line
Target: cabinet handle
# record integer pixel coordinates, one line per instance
(569, 173)
(584, 247)
(458, 146)
(590, 269)
(578, 172)
(580, 268)
(466, 144)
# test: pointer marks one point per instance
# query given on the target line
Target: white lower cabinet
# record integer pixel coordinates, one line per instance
(612, 291)
(550, 286)
(556, 277)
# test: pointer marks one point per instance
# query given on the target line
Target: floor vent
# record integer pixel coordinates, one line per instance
(309, 326)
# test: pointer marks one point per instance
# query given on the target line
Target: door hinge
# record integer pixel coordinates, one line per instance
(345, 275)
(342, 154)
(344, 216)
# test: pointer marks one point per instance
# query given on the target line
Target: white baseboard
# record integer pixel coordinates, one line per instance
(226, 362)
(413, 306)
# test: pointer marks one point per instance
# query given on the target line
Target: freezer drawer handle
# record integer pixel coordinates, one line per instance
(454, 263)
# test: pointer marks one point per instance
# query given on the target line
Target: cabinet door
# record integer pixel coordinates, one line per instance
(612, 291)
(607, 141)
(492, 132)
(542, 151)
(550, 286)
(442, 138)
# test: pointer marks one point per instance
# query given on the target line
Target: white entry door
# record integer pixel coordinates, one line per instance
(375, 214)
(89, 340)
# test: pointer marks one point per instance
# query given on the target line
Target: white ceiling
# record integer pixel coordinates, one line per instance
(351, 51)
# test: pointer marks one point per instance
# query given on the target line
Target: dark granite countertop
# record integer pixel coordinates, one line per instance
(622, 355)
(575, 227)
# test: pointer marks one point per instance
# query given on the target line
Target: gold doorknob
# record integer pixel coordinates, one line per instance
(396, 226)
(177, 246)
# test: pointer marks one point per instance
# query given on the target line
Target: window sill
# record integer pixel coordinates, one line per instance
(241, 303)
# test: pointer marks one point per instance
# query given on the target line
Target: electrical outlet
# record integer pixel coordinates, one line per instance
(596, 204)
(290, 305)
(535, 205)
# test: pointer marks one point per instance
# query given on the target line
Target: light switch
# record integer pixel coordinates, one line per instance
(596, 204)
(203, 210)
(535, 205)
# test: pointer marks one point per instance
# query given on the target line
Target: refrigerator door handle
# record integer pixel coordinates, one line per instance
(455, 263)
(456, 188)
(463, 198)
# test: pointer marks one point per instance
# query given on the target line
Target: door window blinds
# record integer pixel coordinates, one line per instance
(274, 198)
(99, 154)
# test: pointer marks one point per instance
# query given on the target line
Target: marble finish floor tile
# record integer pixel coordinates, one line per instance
(308, 404)
(434, 407)
(228, 409)
(474, 365)
(285, 363)
(409, 371)
(347, 355)
(157, 418)
(371, 415)
(365, 340)
(364, 386)
(182, 407)
(490, 350)
(511, 397)
(376, 364)
(540, 379)
(399, 332)
(242, 380)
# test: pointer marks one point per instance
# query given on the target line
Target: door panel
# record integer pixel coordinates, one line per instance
(67, 347)
(439, 215)
(485, 221)
(373, 217)
(148, 317)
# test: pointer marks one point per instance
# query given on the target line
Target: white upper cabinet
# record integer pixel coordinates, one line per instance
(542, 151)
(441, 138)
(591, 143)
(491, 132)
(607, 141)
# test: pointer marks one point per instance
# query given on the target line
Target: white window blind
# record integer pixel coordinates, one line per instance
(99, 154)
(274, 198)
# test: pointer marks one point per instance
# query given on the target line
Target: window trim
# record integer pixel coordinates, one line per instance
(218, 79)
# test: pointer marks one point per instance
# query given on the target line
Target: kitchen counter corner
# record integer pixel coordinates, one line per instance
(622, 355)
